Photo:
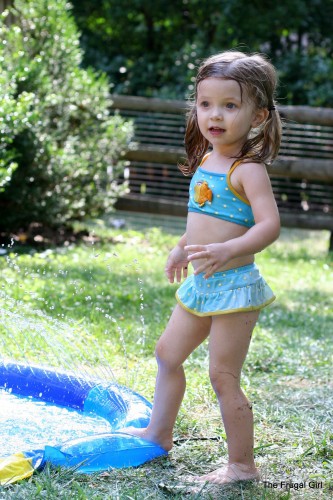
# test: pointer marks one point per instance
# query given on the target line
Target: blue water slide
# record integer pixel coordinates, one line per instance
(119, 405)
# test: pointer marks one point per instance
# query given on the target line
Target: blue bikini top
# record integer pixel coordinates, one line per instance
(212, 194)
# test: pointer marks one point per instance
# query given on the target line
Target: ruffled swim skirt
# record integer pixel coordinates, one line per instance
(235, 290)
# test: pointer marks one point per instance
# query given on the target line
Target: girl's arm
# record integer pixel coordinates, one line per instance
(257, 188)
(177, 262)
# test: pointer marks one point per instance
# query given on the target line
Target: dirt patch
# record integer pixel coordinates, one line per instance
(40, 237)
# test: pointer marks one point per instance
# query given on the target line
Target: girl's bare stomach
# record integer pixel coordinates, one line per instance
(203, 229)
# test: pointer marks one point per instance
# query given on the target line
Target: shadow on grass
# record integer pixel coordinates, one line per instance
(306, 313)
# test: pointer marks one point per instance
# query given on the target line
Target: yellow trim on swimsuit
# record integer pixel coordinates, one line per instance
(211, 193)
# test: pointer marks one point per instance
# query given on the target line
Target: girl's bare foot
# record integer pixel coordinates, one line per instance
(165, 443)
(231, 473)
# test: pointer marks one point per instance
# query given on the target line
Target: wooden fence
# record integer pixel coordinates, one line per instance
(302, 175)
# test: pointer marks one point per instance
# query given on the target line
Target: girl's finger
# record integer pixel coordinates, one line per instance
(208, 268)
(169, 274)
(209, 273)
(201, 269)
(195, 248)
(179, 274)
(198, 255)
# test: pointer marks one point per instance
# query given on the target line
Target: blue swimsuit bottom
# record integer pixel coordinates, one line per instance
(235, 290)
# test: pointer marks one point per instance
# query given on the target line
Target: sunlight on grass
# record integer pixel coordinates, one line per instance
(111, 301)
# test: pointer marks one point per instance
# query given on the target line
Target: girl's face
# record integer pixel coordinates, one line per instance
(225, 117)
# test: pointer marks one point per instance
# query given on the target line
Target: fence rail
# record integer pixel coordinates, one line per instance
(302, 175)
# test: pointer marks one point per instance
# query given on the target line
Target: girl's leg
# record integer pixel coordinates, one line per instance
(229, 342)
(182, 335)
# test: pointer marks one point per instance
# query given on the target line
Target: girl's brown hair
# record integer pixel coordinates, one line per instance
(257, 79)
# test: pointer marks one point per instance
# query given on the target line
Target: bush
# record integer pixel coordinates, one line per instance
(15, 116)
(60, 151)
(307, 78)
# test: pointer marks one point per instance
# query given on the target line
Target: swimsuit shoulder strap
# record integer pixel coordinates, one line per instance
(234, 166)
(204, 159)
(232, 189)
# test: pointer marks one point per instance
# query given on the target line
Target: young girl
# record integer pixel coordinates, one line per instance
(232, 215)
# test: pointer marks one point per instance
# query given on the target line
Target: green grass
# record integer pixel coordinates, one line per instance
(106, 304)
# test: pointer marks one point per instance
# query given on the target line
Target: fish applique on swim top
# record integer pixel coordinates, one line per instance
(212, 194)
(202, 193)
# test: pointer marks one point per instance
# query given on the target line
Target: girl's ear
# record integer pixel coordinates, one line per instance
(259, 117)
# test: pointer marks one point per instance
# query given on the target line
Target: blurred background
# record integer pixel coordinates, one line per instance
(152, 47)
(94, 96)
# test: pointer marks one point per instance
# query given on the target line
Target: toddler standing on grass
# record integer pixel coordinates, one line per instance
(233, 129)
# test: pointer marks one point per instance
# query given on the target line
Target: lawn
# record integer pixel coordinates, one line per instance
(100, 306)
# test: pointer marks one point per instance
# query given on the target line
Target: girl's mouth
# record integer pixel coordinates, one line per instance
(216, 130)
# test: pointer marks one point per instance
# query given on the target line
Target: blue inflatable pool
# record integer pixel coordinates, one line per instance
(120, 406)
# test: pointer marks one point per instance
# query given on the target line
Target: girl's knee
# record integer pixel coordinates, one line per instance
(224, 381)
(165, 357)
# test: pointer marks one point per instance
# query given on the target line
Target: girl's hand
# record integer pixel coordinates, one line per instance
(215, 256)
(177, 264)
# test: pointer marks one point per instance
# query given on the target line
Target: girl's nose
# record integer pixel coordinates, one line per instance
(216, 114)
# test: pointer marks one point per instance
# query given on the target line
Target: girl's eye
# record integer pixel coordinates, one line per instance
(204, 104)
(230, 105)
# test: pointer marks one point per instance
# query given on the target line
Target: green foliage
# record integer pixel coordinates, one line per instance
(307, 78)
(60, 154)
(152, 48)
(15, 116)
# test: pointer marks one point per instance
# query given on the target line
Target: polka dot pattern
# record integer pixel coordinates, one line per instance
(235, 290)
(225, 204)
